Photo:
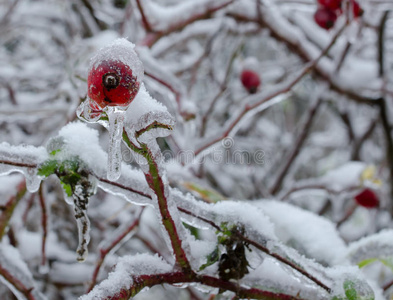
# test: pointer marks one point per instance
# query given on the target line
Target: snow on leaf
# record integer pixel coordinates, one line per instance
(310, 234)
(378, 246)
(23, 159)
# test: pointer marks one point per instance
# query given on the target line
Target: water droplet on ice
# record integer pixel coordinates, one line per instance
(116, 119)
(33, 181)
(86, 113)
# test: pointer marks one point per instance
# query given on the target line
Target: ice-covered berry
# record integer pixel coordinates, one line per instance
(325, 17)
(367, 198)
(115, 75)
(250, 81)
(356, 9)
(330, 4)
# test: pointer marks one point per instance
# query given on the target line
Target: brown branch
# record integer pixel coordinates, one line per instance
(26, 291)
(347, 215)
(389, 142)
(44, 224)
(355, 155)
(17, 164)
(210, 109)
(297, 147)
(8, 209)
(142, 281)
(152, 38)
(145, 21)
(381, 33)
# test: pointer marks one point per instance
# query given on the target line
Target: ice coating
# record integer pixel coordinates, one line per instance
(23, 159)
(120, 50)
(115, 75)
(116, 119)
(123, 276)
(143, 111)
(81, 196)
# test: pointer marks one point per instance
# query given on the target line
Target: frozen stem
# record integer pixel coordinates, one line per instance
(156, 183)
(44, 224)
(142, 281)
(8, 208)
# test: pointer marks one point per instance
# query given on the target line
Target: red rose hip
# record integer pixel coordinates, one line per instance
(367, 198)
(250, 81)
(330, 4)
(325, 18)
(356, 9)
(115, 75)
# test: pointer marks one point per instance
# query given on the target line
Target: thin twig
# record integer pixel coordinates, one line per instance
(210, 109)
(145, 21)
(44, 224)
(297, 147)
(152, 38)
(8, 209)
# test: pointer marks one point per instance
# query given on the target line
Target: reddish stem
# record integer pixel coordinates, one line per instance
(145, 22)
(26, 291)
(8, 208)
(44, 223)
(142, 281)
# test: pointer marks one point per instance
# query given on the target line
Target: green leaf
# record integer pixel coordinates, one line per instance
(206, 194)
(367, 261)
(211, 259)
(193, 230)
(54, 152)
(67, 188)
(47, 168)
(350, 290)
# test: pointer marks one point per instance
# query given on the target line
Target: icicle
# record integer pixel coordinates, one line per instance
(81, 196)
(80, 208)
(33, 181)
(116, 119)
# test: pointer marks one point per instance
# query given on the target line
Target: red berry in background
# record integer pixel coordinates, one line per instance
(357, 10)
(330, 4)
(325, 18)
(367, 198)
(250, 81)
(115, 76)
